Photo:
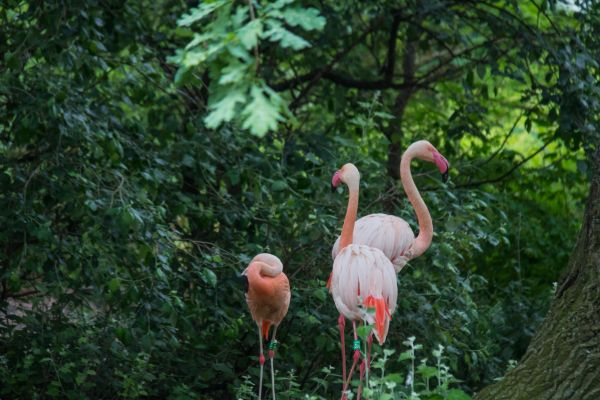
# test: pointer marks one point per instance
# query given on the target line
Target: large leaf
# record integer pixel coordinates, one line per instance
(287, 39)
(224, 109)
(250, 33)
(261, 114)
(198, 13)
(306, 18)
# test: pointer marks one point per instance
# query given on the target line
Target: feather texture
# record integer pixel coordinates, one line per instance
(388, 233)
(359, 273)
(268, 294)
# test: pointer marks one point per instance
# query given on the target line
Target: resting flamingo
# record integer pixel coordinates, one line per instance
(392, 234)
(268, 298)
(362, 278)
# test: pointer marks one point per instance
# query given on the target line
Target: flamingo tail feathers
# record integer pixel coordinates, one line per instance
(265, 329)
(381, 313)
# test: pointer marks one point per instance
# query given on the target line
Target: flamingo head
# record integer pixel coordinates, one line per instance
(348, 174)
(427, 152)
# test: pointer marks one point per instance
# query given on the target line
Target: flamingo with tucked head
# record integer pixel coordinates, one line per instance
(268, 297)
(363, 279)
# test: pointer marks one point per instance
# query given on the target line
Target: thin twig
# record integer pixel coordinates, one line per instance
(252, 18)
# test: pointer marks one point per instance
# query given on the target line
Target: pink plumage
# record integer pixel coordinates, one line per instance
(362, 276)
(390, 234)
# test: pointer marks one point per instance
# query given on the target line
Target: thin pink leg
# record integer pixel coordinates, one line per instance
(362, 374)
(342, 325)
(356, 357)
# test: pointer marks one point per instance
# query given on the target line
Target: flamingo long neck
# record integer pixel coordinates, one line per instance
(350, 219)
(423, 240)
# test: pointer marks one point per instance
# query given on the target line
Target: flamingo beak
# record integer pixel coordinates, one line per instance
(335, 181)
(442, 164)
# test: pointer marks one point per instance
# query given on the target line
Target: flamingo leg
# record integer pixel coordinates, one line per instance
(362, 374)
(365, 366)
(342, 325)
(261, 360)
(356, 357)
(272, 348)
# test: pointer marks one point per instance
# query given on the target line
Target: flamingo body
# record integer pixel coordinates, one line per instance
(268, 297)
(392, 234)
(364, 278)
(388, 233)
(268, 294)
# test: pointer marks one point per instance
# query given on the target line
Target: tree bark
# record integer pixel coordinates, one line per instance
(394, 129)
(563, 359)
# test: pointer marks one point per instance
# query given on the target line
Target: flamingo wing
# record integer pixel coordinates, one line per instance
(388, 233)
(363, 278)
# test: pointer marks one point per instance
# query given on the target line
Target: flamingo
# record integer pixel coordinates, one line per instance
(268, 297)
(363, 278)
(392, 234)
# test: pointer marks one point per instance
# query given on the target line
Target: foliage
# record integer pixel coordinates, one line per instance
(223, 49)
(422, 381)
(132, 195)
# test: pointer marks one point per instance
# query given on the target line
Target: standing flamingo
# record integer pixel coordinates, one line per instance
(268, 298)
(363, 278)
(392, 234)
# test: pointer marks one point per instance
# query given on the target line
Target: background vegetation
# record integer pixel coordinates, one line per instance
(149, 149)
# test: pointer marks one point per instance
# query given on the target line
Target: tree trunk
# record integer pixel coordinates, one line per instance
(394, 129)
(563, 359)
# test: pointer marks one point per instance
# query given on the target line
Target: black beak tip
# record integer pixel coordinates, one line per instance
(244, 280)
(333, 188)
(445, 176)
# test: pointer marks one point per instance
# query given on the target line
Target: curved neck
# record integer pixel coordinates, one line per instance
(423, 240)
(350, 219)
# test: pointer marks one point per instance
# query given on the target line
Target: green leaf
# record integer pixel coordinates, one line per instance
(250, 33)
(233, 73)
(363, 331)
(196, 14)
(113, 285)
(307, 18)
(224, 109)
(395, 377)
(261, 114)
(426, 371)
(287, 39)
(278, 186)
(208, 276)
(457, 394)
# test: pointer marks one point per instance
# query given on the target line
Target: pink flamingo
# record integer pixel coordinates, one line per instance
(392, 234)
(363, 278)
(268, 297)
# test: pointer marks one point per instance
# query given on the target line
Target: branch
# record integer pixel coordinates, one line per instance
(507, 173)
(508, 135)
(22, 294)
(252, 18)
(341, 79)
(388, 73)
